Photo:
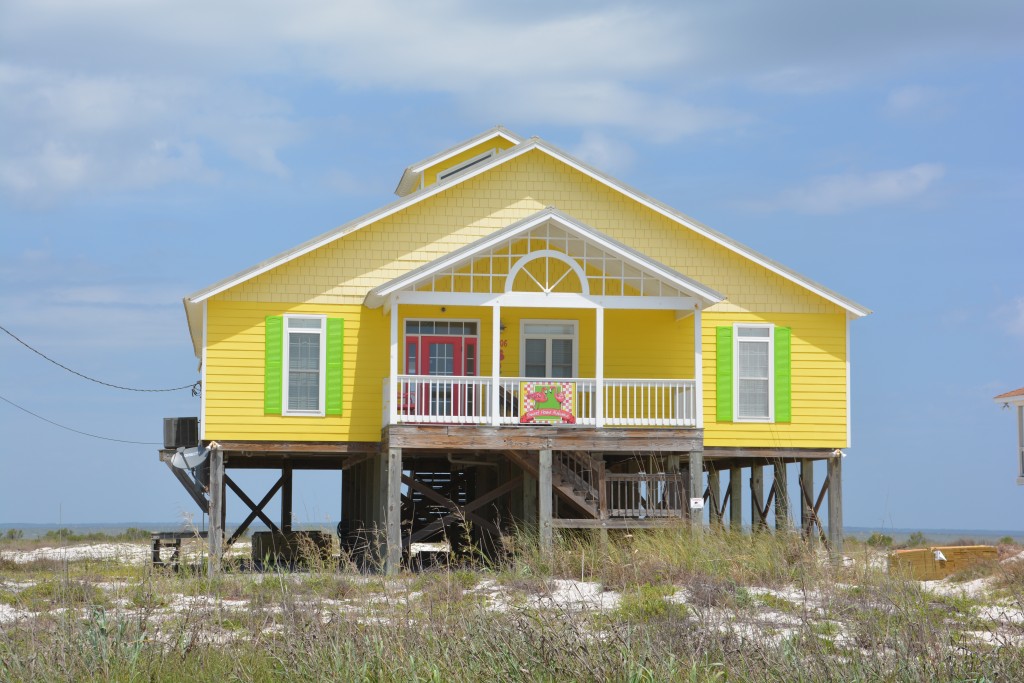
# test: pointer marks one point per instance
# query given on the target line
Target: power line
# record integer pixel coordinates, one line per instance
(95, 436)
(194, 386)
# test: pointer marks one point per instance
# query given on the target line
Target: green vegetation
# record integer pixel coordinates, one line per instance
(879, 540)
(68, 536)
(651, 606)
(917, 540)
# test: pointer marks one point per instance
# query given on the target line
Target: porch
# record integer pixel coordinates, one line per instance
(502, 401)
(544, 322)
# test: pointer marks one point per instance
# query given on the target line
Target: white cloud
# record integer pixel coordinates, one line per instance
(77, 132)
(914, 100)
(852, 191)
(93, 87)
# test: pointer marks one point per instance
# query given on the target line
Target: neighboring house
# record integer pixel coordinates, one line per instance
(520, 338)
(1015, 398)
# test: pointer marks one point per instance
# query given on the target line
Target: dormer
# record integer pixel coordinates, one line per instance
(456, 160)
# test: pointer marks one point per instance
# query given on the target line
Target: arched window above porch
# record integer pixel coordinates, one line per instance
(547, 256)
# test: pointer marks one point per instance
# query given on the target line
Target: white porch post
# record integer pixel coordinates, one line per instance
(495, 363)
(698, 367)
(599, 367)
(393, 379)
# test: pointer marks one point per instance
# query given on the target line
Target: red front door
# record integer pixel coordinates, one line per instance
(443, 356)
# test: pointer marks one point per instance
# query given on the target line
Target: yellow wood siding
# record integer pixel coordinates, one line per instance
(334, 280)
(234, 375)
(819, 384)
(343, 271)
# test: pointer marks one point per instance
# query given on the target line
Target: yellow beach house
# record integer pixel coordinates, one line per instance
(521, 339)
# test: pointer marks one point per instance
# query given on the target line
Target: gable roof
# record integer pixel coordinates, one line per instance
(412, 175)
(192, 300)
(463, 255)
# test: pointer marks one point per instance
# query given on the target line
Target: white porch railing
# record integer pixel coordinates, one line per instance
(427, 399)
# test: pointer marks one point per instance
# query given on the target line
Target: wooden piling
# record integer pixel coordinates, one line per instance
(781, 497)
(544, 494)
(216, 536)
(391, 491)
(736, 499)
(696, 478)
(835, 506)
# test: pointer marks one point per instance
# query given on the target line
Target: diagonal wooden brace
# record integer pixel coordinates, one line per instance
(813, 508)
(257, 508)
(460, 512)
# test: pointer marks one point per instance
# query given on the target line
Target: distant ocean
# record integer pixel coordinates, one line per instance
(935, 536)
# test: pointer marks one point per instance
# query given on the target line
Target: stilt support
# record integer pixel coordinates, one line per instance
(835, 506)
(530, 502)
(391, 491)
(696, 469)
(807, 498)
(758, 510)
(736, 499)
(286, 498)
(216, 510)
(544, 495)
(781, 488)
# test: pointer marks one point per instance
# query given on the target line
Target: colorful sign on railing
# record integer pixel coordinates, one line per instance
(547, 402)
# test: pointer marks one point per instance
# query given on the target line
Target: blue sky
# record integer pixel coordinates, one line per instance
(151, 148)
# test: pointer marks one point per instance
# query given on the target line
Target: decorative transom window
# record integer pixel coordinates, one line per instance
(549, 348)
(304, 364)
(754, 374)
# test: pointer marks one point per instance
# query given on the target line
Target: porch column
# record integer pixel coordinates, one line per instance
(835, 506)
(698, 369)
(393, 367)
(392, 492)
(599, 366)
(544, 496)
(216, 528)
(496, 365)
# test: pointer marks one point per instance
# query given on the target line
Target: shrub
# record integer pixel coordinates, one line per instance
(917, 540)
(879, 540)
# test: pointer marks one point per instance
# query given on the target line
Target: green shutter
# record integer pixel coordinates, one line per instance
(272, 365)
(783, 375)
(335, 362)
(723, 374)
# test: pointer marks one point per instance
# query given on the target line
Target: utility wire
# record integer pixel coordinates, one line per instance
(95, 436)
(194, 386)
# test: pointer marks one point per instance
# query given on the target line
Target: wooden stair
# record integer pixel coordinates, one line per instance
(567, 483)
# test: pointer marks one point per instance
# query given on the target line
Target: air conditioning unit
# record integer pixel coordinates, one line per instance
(181, 431)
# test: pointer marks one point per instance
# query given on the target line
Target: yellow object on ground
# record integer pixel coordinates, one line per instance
(938, 562)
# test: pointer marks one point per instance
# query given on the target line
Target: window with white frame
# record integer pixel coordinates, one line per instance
(305, 353)
(549, 348)
(754, 373)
